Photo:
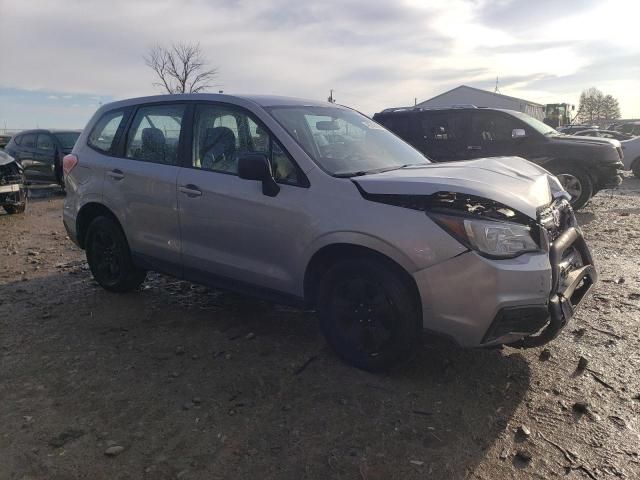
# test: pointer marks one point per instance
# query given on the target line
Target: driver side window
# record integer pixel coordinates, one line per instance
(493, 127)
(223, 134)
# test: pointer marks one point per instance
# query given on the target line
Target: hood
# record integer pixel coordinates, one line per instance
(5, 158)
(585, 140)
(512, 181)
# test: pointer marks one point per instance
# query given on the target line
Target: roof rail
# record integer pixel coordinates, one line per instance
(400, 109)
(419, 109)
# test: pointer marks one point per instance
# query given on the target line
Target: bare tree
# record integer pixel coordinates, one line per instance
(181, 68)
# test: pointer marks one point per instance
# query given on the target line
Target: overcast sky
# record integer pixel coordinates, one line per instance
(62, 58)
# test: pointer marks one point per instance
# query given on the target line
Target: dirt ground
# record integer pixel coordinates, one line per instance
(179, 381)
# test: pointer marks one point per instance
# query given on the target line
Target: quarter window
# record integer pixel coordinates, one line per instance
(104, 133)
(44, 142)
(155, 133)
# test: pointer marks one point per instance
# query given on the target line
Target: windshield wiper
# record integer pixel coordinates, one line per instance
(353, 174)
(376, 170)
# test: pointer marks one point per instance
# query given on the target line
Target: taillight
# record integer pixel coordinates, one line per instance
(68, 162)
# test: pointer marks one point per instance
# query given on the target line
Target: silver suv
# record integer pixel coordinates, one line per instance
(314, 204)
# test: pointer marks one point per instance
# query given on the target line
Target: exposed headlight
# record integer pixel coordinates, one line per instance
(489, 238)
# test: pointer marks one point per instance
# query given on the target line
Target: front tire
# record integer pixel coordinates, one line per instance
(109, 257)
(368, 313)
(577, 183)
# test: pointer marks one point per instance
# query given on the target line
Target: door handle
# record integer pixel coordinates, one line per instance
(116, 174)
(474, 147)
(190, 190)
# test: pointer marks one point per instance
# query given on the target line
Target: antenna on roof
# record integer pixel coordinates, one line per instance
(331, 99)
(496, 90)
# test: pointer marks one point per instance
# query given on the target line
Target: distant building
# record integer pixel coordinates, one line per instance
(464, 95)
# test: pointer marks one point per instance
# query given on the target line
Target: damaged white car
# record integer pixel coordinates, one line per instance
(314, 204)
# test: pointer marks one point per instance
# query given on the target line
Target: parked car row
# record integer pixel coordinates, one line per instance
(584, 165)
(612, 134)
(315, 204)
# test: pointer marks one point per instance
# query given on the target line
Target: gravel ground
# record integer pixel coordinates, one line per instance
(179, 381)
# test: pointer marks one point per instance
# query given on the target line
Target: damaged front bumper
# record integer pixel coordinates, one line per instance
(11, 184)
(522, 302)
(573, 276)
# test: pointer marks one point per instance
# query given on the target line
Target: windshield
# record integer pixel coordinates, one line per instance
(67, 139)
(344, 142)
(537, 125)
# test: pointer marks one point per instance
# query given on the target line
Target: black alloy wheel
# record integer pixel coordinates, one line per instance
(369, 313)
(109, 257)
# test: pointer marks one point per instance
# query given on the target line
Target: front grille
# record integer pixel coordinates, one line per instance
(9, 174)
(556, 217)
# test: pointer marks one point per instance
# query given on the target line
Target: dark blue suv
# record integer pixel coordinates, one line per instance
(40, 153)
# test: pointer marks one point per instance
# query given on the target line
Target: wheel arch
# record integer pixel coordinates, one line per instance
(560, 162)
(332, 253)
(87, 213)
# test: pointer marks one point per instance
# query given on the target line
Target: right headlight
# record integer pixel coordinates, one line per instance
(490, 238)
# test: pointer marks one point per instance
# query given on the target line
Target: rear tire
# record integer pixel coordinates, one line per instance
(577, 182)
(109, 257)
(368, 313)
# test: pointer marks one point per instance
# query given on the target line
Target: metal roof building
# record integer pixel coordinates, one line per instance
(465, 95)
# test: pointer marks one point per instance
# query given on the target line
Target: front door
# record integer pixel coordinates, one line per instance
(230, 229)
(140, 184)
(492, 135)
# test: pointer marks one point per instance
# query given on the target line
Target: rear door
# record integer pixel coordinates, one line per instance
(140, 184)
(442, 135)
(44, 158)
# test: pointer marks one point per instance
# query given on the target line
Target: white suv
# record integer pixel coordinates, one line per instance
(312, 203)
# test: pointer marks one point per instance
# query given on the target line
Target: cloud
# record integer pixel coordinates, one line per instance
(373, 54)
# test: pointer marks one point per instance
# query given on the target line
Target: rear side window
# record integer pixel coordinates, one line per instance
(28, 140)
(155, 133)
(44, 142)
(104, 132)
(442, 127)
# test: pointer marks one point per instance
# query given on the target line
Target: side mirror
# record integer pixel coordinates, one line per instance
(518, 133)
(256, 167)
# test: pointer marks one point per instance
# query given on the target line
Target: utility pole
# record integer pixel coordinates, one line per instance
(331, 99)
